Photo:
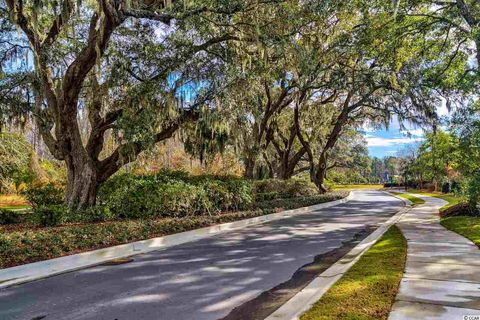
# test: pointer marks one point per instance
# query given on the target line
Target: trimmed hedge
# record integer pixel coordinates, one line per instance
(24, 244)
(291, 203)
(270, 189)
(168, 194)
(174, 194)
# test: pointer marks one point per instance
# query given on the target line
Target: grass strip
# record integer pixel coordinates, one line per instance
(467, 226)
(415, 200)
(450, 198)
(368, 289)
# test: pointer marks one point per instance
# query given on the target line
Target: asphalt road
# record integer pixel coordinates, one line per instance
(200, 280)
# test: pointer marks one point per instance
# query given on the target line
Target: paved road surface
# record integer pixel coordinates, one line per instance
(199, 280)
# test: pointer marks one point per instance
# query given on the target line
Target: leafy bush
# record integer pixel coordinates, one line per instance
(305, 201)
(50, 215)
(241, 191)
(25, 246)
(93, 214)
(9, 216)
(471, 189)
(15, 159)
(172, 193)
(45, 195)
(446, 187)
(392, 184)
(270, 189)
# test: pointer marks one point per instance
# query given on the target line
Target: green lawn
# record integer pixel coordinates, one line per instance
(368, 289)
(452, 199)
(16, 208)
(469, 227)
(415, 200)
(13, 202)
(357, 186)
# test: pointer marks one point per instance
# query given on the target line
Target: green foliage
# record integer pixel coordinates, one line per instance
(172, 194)
(9, 216)
(269, 189)
(471, 189)
(15, 158)
(93, 214)
(45, 195)
(54, 172)
(19, 246)
(26, 246)
(301, 201)
(50, 215)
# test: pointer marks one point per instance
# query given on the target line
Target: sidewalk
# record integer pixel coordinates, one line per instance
(442, 275)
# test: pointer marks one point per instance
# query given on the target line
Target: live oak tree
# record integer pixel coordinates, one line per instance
(125, 64)
(377, 68)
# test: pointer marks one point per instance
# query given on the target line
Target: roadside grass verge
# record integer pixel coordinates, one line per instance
(415, 200)
(349, 187)
(24, 243)
(450, 198)
(467, 226)
(368, 289)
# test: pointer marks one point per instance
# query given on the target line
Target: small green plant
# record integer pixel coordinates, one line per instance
(9, 216)
(271, 189)
(45, 195)
(95, 214)
(50, 215)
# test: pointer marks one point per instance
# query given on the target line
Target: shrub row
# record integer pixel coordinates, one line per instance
(173, 194)
(291, 203)
(165, 194)
(25, 245)
(270, 189)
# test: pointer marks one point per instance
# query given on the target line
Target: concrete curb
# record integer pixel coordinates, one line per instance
(304, 300)
(43, 269)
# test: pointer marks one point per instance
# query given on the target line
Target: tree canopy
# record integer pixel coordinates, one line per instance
(286, 84)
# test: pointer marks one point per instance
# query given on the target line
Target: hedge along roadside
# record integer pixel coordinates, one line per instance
(33, 271)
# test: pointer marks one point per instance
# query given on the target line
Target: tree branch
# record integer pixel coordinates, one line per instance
(67, 9)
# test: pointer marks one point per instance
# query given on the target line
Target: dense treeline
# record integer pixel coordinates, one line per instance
(283, 85)
(447, 162)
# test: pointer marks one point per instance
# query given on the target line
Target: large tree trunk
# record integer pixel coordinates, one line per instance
(82, 185)
(250, 163)
(318, 174)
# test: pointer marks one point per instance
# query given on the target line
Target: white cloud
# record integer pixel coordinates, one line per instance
(442, 109)
(388, 142)
(367, 128)
(414, 132)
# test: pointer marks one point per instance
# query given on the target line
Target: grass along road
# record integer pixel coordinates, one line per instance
(450, 198)
(467, 226)
(368, 289)
(415, 200)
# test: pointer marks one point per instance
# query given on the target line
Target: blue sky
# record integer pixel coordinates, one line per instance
(383, 142)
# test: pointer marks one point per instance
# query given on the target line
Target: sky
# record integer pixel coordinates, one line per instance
(384, 143)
